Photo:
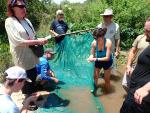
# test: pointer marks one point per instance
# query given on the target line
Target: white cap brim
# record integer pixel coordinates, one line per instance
(106, 14)
(28, 80)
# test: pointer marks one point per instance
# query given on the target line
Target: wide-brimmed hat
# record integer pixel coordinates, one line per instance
(50, 50)
(59, 12)
(107, 12)
(16, 72)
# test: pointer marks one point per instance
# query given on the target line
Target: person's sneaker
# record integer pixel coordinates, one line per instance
(94, 92)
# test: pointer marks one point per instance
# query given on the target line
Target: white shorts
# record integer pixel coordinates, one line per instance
(126, 80)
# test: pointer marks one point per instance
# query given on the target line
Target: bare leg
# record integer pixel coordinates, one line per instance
(95, 77)
(96, 74)
(107, 74)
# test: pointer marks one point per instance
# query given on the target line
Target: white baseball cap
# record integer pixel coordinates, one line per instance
(59, 12)
(107, 12)
(17, 72)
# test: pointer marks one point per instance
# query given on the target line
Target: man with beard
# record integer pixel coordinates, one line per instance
(138, 98)
(58, 26)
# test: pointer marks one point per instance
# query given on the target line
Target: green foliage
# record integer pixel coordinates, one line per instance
(35, 11)
(5, 59)
(2, 19)
(130, 15)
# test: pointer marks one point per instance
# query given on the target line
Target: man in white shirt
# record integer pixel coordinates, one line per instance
(112, 33)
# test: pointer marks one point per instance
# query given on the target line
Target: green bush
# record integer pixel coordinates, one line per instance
(5, 59)
(129, 14)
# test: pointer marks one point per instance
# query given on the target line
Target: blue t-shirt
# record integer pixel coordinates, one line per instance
(60, 27)
(7, 105)
(42, 69)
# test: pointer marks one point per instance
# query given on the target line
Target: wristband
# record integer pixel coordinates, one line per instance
(96, 59)
(128, 66)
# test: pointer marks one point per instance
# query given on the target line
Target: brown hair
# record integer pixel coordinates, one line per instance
(100, 35)
(10, 82)
(101, 32)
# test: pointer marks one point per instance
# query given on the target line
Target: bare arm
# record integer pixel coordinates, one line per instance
(141, 93)
(117, 42)
(117, 45)
(131, 57)
(52, 32)
(51, 73)
(92, 51)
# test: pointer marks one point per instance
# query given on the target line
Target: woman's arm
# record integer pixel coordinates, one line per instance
(93, 45)
(108, 51)
(92, 51)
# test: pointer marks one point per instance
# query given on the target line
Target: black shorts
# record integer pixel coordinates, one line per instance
(103, 64)
(28, 87)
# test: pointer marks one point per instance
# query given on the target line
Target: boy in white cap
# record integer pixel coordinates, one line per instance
(112, 33)
(59, 26)
(15, 78)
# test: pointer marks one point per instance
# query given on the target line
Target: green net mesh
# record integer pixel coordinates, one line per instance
(71, 67)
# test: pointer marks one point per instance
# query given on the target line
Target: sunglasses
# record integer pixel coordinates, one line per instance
(108, 16)
(61, 14)
(20, 6)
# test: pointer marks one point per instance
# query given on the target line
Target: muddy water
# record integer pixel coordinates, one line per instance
(82, 101)
(113, 101)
